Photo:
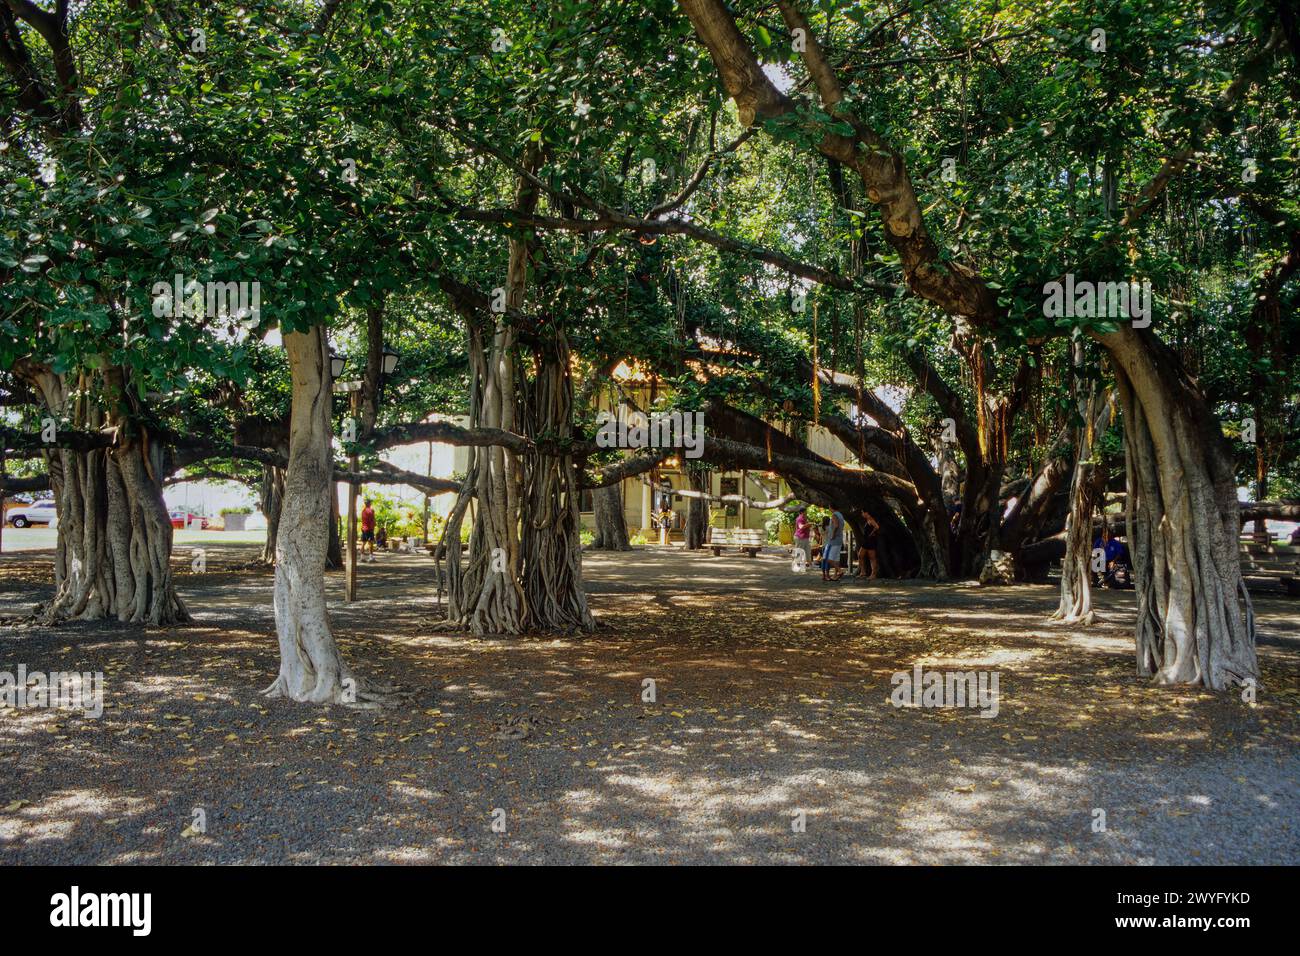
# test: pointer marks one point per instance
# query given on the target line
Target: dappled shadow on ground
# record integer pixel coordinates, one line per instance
(771, 708)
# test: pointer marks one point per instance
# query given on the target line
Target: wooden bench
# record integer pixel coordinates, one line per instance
(436, 550)
(749, 540)
(1265, 566)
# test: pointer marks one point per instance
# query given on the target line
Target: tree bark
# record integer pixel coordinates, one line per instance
(333, 532)
(697, 511)
(1075, 606)
(272, 495)
(114, 541)
(551, 544)
(1195, 621)
(524, 568)
(611, 526)
(311, 668)
(485, 594)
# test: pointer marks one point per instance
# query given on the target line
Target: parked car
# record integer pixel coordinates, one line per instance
(185, 519)
(42, 512)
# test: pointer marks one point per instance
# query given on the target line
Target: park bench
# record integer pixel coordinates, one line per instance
(1267, 566)
(440, 551)
(749, 540)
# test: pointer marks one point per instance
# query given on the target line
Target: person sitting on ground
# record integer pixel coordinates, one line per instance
(1118, 572)
(381, 538)
(834, 545)
(368, 531)
(867, 550)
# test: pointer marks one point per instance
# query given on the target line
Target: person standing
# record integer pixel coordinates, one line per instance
(867, 552)
(834, 545)
(803, 536)
(368, 531)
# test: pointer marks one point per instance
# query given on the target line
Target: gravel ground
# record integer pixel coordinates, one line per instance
(772, 709)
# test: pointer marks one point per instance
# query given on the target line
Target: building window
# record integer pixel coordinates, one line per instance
(730, 486)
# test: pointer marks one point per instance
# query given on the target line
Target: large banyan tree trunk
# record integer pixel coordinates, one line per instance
(311, 668)
(524, 567)
(981, 518)
(113, 554)
(523, 571)
(1076, 566)
(484, 593)
(550, 541)
(611, 527)
(1195, 621)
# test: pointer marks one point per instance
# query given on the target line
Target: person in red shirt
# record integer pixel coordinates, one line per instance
(368, 530)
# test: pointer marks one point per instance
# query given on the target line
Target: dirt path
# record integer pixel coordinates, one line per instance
(772, 698)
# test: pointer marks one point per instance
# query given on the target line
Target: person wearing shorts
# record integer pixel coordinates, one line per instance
(368, 530)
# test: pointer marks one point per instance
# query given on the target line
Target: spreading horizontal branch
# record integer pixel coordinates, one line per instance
(610, 219)
(21, 486)
(730, 499)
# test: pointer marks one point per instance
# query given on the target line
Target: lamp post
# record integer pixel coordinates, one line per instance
(389, 361)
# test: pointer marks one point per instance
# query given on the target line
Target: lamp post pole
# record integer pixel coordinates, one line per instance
(350, 585)
(350, 560)
(424, 528)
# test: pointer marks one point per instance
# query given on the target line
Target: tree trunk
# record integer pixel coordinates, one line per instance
(113, 557)
(931, 555)
(113, 552)
(977, 535)
(272, 496)
(311, 668)
(949, 473)
(550, 541)
(486, 595)
(524, 568)
(1195, 621)
(1076, 566)
(697, 511)
(333, 524)
(272, 493)
(1261, 485)
(611, 526)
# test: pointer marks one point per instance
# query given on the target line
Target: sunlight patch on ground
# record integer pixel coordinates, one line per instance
(1002, 657)
(56, 816)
